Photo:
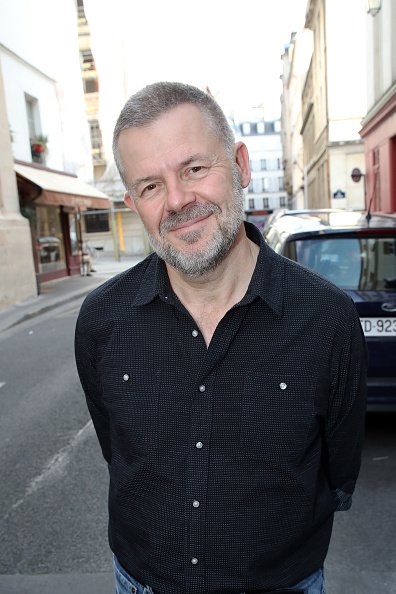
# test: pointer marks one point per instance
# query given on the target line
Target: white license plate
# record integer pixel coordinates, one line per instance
(379, 326)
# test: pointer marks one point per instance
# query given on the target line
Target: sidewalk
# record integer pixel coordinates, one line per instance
(56, 293)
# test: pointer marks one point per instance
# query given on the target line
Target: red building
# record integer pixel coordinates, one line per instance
(379, 134)
(379, 126)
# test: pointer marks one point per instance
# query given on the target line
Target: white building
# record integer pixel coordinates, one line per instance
(45, 132)
(266, 191)
(296, 60)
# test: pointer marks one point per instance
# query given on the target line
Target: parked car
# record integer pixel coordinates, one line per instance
(357, 252)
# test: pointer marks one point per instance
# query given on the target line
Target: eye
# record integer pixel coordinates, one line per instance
(148, 189)
(197, 171)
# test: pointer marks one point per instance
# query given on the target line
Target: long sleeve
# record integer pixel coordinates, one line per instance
(344, 431)
(86, 353)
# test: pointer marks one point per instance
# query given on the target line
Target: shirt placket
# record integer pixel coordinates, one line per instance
(197, 464)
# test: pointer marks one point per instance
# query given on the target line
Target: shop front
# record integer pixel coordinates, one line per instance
(53, 202)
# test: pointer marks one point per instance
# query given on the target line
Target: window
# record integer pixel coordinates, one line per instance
(33, 118)
(96, 222)
(255, 165)
(257, 185)
(96, 139)
(260, 128)
(250, 187)
(49, 239)
(265, 202)
(91, 85)
(246, 128)
(282, 201)
(281, 184)
(263, 164)
(81, 12)
(354, 263)
(87, 60)
(251, 203)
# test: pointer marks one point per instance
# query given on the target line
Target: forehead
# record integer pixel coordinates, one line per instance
(174, 136)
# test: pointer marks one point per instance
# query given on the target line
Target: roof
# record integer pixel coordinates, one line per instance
(52, 187)
(322, 222)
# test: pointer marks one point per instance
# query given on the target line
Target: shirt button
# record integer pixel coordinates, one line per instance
(283, 386)
(194, 560)
(195, 333)
(199, 445)
(202, 388)
(125, 377)
(195, 503)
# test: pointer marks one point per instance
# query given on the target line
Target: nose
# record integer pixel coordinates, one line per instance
(177, 195)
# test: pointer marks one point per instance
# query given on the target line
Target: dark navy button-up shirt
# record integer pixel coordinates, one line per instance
(226, 463)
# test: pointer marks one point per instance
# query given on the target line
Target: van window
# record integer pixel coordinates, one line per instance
(367, 263)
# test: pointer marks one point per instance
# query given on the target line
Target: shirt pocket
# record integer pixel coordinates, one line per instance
(277, 412)
(131, 397)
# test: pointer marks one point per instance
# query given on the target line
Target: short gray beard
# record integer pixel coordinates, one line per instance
(201, 262)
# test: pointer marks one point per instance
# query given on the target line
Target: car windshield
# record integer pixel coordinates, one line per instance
(367, 263)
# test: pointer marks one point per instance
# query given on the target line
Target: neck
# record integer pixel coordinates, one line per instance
(222, 287)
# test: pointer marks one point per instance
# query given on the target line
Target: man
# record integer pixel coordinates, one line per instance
(226, 383)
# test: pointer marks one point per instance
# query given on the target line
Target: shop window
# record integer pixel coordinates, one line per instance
(96, 222)
(49, 239)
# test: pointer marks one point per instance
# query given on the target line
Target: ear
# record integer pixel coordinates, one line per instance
(242, 161)
(129, 202)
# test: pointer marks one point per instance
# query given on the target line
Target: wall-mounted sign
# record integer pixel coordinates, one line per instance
(339, 194)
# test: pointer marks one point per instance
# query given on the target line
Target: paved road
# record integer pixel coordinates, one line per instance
(54, 483)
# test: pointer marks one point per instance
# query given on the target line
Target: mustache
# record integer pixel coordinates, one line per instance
(197, 210)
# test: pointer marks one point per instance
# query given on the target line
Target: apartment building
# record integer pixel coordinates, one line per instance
(325, 106)
(266, 190)
(379, 125)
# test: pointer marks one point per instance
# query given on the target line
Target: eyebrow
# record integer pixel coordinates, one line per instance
(184, 163)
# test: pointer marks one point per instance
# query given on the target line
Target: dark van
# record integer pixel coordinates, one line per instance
(356, 252)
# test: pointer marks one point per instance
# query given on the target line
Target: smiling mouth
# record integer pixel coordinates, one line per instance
(188, 219)
(190, 223)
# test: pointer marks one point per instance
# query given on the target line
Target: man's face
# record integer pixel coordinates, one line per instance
(185, 189)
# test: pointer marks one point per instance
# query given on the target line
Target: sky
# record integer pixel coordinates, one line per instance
(233, 47)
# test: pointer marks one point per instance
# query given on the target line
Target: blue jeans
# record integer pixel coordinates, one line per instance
(126, 584)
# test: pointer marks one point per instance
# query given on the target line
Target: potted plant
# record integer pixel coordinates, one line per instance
(38, 146)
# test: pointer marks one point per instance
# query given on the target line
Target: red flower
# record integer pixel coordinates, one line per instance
(38, 148)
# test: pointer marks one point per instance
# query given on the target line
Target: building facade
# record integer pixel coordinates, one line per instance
(266, 191)
(379, 125)
(47, 138)
(334, 101)
(296, 60)
(119, 231)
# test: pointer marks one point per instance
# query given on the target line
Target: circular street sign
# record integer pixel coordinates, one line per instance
(356, 174)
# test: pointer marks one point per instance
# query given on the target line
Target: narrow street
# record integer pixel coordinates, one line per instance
(53, 493)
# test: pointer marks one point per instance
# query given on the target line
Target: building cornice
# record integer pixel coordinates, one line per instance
(379, 112)
(7, 50)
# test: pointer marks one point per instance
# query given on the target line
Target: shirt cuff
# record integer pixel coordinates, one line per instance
(342, 500)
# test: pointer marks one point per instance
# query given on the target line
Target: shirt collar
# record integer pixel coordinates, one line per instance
(268, 275)
(266, 282)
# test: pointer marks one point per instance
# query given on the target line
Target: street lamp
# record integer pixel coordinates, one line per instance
(373, 7)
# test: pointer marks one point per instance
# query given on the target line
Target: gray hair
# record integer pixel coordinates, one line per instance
(151, 102)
